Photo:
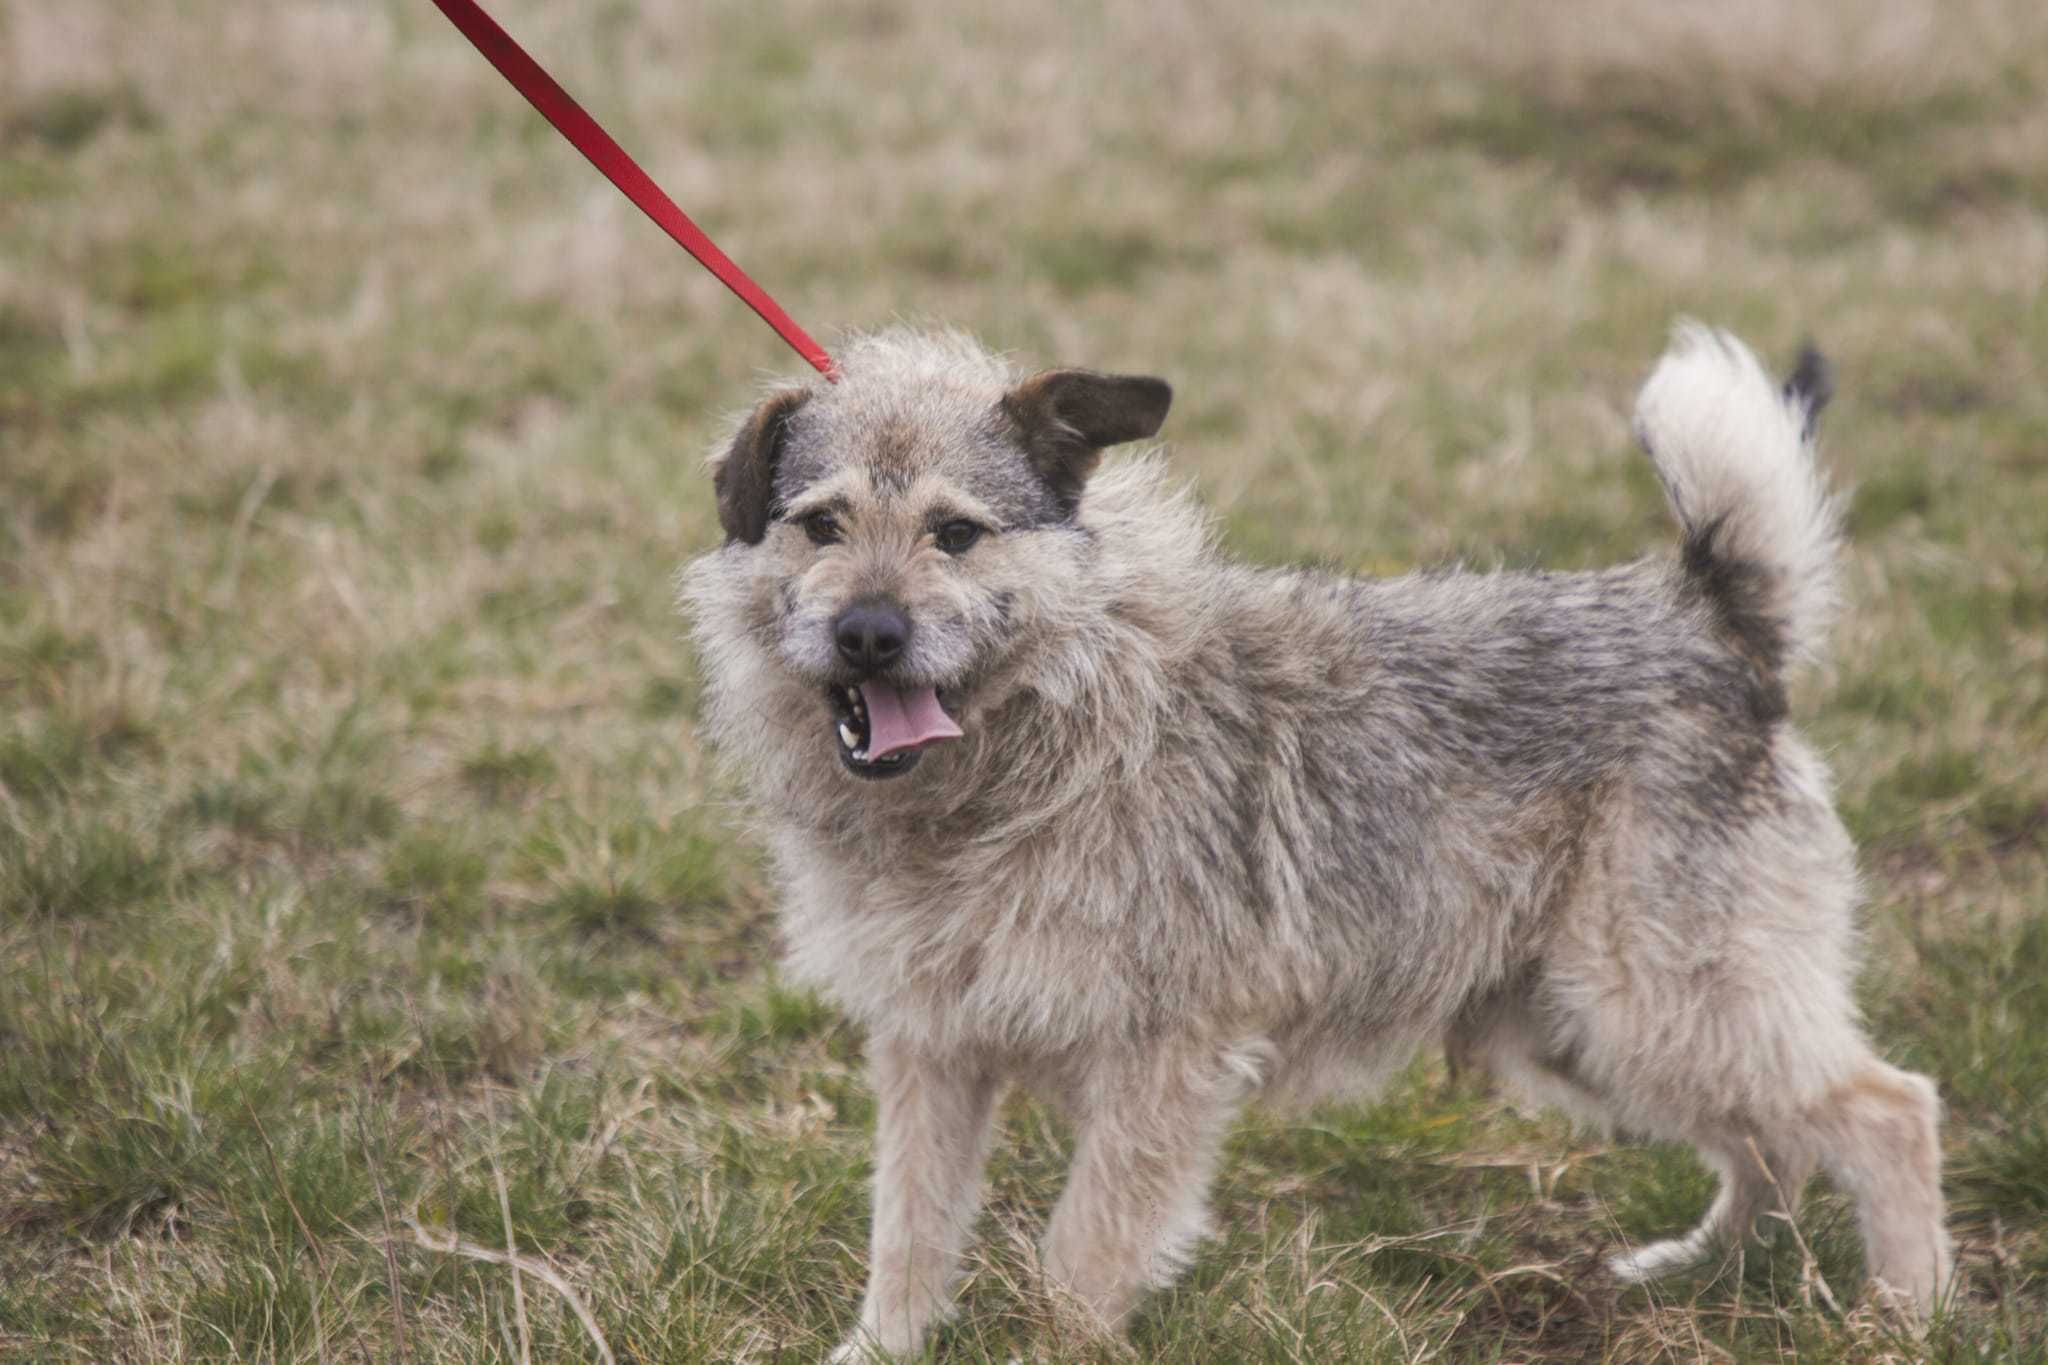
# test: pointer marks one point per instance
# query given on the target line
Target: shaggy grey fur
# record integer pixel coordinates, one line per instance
(1216, 831)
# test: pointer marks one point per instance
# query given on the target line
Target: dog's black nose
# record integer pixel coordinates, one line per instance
(871, 634)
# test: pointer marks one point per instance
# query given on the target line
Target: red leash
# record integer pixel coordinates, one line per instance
(583, 133)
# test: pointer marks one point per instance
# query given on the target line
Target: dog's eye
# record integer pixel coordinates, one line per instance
(955, 536)
(823, 528)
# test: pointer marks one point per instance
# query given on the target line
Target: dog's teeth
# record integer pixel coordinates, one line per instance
(847, 736)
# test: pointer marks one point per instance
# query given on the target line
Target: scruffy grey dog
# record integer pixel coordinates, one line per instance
(1205, 831)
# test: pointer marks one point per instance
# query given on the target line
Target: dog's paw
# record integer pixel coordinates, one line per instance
(1898, 1307)
(858, 1350)
(1643, 1264)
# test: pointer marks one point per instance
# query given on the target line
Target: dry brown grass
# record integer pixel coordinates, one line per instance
(355, 839)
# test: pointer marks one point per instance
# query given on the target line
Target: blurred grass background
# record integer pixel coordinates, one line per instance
(358, 853)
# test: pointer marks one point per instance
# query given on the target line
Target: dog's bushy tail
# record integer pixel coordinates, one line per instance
(1735, 450)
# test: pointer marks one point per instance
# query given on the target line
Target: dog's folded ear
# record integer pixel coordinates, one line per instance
(744, 477)
(1066, 417)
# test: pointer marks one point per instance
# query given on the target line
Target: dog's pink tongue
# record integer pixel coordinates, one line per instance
(901, 719)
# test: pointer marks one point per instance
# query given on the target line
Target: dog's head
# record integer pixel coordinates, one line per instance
(892, 539)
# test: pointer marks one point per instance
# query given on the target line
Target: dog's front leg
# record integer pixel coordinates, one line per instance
(1134, 1205)
(931, 1141)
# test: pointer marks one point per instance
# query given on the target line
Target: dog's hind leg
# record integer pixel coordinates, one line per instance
(1507, 1035)
(1875, 1135)
(1152, 1124)
(1708, 983)
(1754, 1179)
(1881, 1145)
(1517, 1041)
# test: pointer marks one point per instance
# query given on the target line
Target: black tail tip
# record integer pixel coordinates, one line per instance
(1811, 383)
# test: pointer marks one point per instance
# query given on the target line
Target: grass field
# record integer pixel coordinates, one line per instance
(367, 896)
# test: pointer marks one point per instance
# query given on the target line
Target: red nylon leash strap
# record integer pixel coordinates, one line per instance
(587, 137)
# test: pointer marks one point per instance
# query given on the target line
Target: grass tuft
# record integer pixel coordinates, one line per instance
(66, 119)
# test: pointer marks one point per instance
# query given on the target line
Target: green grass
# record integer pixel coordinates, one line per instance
(359, 845)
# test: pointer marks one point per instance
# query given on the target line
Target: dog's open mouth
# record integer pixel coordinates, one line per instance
(882, 730)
